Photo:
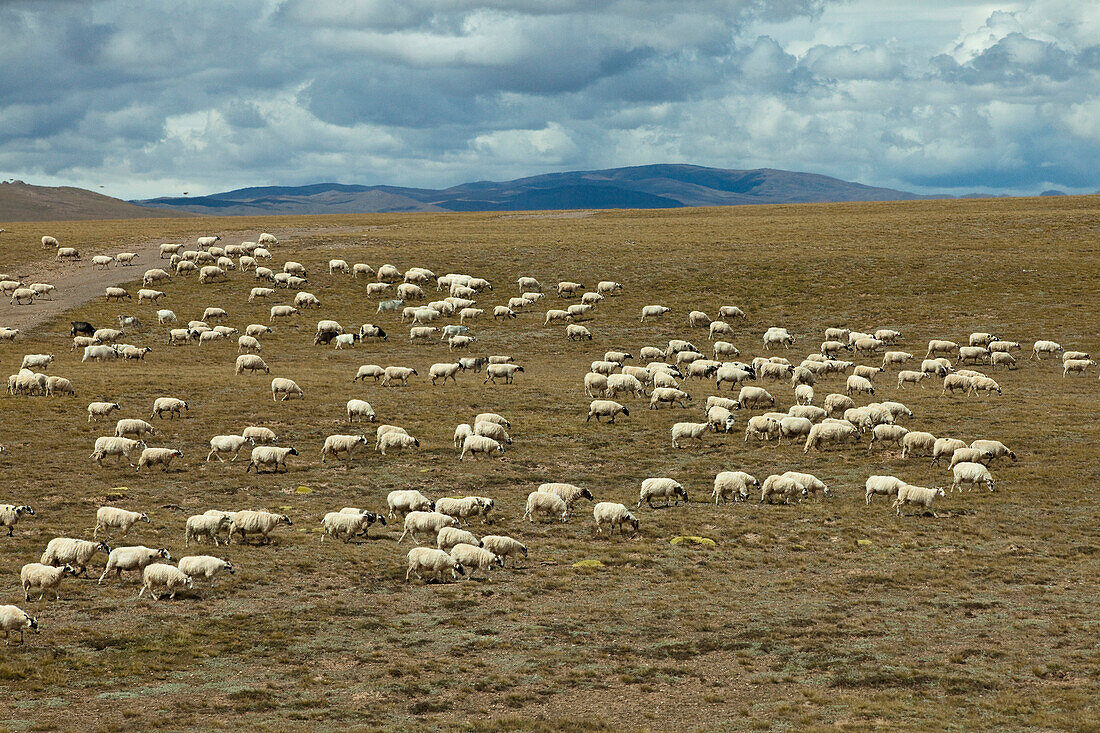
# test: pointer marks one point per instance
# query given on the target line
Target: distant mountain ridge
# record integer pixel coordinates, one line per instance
(23, 202)
(661, 186)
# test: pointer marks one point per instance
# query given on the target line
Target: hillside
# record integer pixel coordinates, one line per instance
(637, 187)
(23, 202)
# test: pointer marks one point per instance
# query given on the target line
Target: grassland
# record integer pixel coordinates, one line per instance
(985, 618)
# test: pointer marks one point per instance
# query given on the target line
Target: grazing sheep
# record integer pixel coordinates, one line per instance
(762, 427)
(775, 336)
(917, 443)
(720, 419)
(753, 398)
(158, 457)
(1076, 366)
(251, 363)
(733, 484)
(669, 395)
(170, 405)
(403, 501)
(97, 410)
(792, 427)
(432, 561)
(360, 409)
(462, 432)
(688, 431)
(504, 547)
(119, 447)
(971, 473)
(810, 412)
(953, 382)
(474, 557)
(248, 344)
(777, 487)
(42, 578)
(477, 445)
(256, 522)
(460, 509)
(204, 566)
(661, 488)
(885, 434)
(939, 346)
(260, 435)
(337, 444)
(206, 526)
(810, 483)
(995, 448)
(612, 515)
(347, 524)
(425, 523)
(282, 311)
(10, 514)
(78, 553)
(542, 502)
(654, 311)
(393, 374)
(448, 537)
(396, 442)
(1045, 347)
(165, 578)
(59, 385)
(268, 455)
(13, 618)
(857, 385)
(574, 332)
(970, 455)
(830, 432)
(917, 496)
(136, 557)
(568, 493)
(883, 486)
(285, 387)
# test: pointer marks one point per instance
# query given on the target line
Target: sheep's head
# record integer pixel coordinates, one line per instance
(498, 561)
(587, 495)
(164, 554)
(68, 570)
(291, 452)
(144, 518)
(104, 547)
(27, 510)
(457, 570)
(229, 567)
(284, 519)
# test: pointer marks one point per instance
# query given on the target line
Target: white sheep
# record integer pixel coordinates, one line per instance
(135, 557)
(970, 455)
(669, 395)
(687, 431)
(260, 435)
(477, 445)
(67, 550)
(402, 501)
(996, 448)
(971, 473)
(337, 444)
(856, 384)
(917, 496)
(505, 371)
(750, 398)
(654, 311)
(661, 488)
(112, 446)
(762, 427)
(346, 524)
(830, 432)
(612, 515)
(786, 488)
(1045, 347)
(164, 578)
(10, 515)
(13, 618)
(256, 522)
(392, 374)
(285, 387)
(541, 502)
(360, 409)
(792, 427)
(606, 408)
(568, 493)
(158, 457)
(425, 523)
(432, 561)
(204, 566)
(42, 578)
(205, 526)
(474, 557)
(733, 484)
(448, 537)
(269, 455)
(940, 346)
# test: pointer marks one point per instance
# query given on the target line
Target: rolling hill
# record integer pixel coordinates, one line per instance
(637, 187)
(23, 202)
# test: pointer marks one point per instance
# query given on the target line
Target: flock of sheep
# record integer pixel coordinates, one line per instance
(659, 379)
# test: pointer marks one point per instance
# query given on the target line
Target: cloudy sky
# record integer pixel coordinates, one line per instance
(155, 98)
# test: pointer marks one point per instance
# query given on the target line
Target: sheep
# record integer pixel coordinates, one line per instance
(266, 455)
(973, 354)
(425, 523)
(505, 371)
(369, 330)
(158, 457)
(337, 444)
(448, 537)
(460, 509)
(720, 418)
(186, 267)
(886, 433)
(59, 385)
(97, 410)
(762, 427)
(48, 241)
(804, 394)
(100, 353)
(369, 370)
(781, 487)
(775, 336)
(612, 515)
(734, 374)
(404, 501)
(811, 484)
(1076, 366)
(165, 578)
(67, 253)
(984, 384)
(136, 557)
(916, 496)
(473, 557)
(119, 447)
(856, 385)
(477, 445)
(42, 578)
(12, 618)
(568, 493)
(108, 516)
(995, 447)
(459, 342)
(349, 524)
(668, 395)
(868, 345)
(133, 427)
(360, 409)
(208, 526)
(1002, 358)
(170, 405)
(396, 442)
(945, 447)
(22, 296)
(182, 336)
(8, 334)
(260, 435)
(916, 442)
(251, 363)
(133, 352)
(654, 311)
(256, 522)
(542, 502)
(204, 566)
(698, 319)
(78, 553)
(575, 332)
(346, 340)
(810, 412)
(285, 387)
(661, 488)
(939, 346)
(36, 361)
(953, 382)
(282, 311)
(970, 455)
(792, 427)
(432, 561)
(493, 430)
(10, 514)
(248, 344)
(830, 432)
(393, 374)
(753, 398)
(733, 484)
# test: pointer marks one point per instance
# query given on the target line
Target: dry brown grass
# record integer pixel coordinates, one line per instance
(984, 618)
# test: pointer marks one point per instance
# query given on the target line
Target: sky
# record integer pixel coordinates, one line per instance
(143, 99)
